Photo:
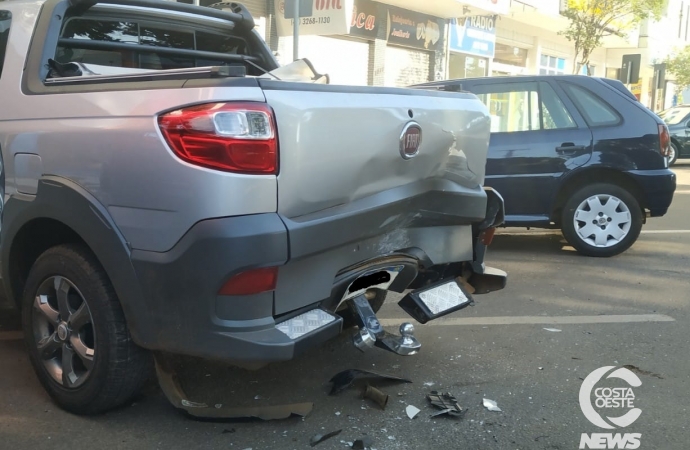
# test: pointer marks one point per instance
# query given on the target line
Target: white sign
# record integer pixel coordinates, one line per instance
(327, 17)
(492, 6)
(609, 400)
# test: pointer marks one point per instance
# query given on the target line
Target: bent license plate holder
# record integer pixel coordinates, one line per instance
(436, 300)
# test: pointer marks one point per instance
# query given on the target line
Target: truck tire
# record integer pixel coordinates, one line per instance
(76, 333)
(376, 304)
(601, 220)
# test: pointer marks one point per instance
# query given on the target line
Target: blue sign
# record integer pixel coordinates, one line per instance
(475, 36)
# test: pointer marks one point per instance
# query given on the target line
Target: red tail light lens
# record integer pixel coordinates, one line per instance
(664, 140)
(232, 137)
(251, 282)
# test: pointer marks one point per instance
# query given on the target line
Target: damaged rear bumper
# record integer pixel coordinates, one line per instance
(187, 316)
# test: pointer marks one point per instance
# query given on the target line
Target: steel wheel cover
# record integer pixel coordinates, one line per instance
(602, 220)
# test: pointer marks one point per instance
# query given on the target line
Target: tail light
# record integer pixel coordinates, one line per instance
(232, 137)
(664, 140)
(251, 282)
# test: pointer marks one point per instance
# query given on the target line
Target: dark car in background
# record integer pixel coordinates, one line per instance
(575, 153)
(678, 121)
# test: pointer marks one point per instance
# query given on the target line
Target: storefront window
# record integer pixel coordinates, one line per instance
(551, 65)
(508, 54)
(465, 66)
(583, 70)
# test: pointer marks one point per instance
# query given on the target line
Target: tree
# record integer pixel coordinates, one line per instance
(679, 65)
(592, 20)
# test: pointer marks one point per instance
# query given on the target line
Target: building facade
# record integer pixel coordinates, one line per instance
(403, 42)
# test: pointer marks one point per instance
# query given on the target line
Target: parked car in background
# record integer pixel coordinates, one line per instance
(576, 153)
(678, 121)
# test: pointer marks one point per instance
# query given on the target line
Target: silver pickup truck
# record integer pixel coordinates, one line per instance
(167, 187)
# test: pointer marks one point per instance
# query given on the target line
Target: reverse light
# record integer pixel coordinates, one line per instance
(251, 282)
(664, 140)
(232, 137)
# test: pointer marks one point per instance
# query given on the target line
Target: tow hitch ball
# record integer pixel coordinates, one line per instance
(371, 333)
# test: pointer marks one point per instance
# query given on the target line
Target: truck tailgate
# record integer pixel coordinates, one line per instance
(339, 144)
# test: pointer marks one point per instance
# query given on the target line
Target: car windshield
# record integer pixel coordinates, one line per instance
(674, 116)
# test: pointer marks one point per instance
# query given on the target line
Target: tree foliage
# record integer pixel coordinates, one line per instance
(679, 65)
(592, 20)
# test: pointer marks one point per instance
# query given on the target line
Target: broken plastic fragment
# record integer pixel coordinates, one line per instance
(446, 403)
(491, 405)
(170, 385)
(189, 404)
(412, 411)
(554, 330)
(363, 444)
(344, 379)
(376, 396)
(319, 438)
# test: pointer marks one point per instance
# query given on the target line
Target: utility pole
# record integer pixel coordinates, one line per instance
(295, 31)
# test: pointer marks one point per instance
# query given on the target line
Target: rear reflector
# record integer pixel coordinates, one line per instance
(251, 282)
(487, 236)
(664, 140)
(232, 137)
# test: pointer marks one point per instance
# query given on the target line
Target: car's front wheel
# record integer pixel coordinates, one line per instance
(673, 154)
(601, 220)
(76, 333)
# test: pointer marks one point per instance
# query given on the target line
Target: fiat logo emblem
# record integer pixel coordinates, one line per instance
(410, 140)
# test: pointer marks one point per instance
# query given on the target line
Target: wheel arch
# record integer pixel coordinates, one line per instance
(64, 212)
(593, 175)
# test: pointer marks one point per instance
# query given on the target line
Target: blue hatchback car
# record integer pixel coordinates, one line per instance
(576, 153)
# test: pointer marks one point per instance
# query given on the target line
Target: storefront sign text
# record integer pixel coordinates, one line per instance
(475, 36)
(327, 17)
(412, 29)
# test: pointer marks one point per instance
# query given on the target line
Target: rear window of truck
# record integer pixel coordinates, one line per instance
(136, 34)
(5, 18)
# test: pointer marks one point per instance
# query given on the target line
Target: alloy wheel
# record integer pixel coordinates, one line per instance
(64, 332)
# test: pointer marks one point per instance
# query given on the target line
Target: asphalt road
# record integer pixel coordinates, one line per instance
(629, 310)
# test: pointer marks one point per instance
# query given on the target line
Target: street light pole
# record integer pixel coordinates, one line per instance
(295, 32)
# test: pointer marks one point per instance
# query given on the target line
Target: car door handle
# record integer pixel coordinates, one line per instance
(569, 148)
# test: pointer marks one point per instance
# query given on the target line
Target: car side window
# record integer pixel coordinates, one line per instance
(556, 115)
(5, 18)
(513, 107)
(595, 110)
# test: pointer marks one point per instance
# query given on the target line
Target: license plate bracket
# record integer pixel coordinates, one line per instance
(436, 300)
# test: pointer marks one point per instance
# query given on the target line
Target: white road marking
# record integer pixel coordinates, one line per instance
(682, 192)
(665, 231)
(557, 232)
(11, 335)
(539, 320)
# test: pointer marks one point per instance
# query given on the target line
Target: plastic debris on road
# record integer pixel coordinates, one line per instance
(363, 444)
(170, 385)
(553, 330)
(344, 379)
(446, 403)
(376, 396)
(319, 438)
(412, 411)
(491, 405)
